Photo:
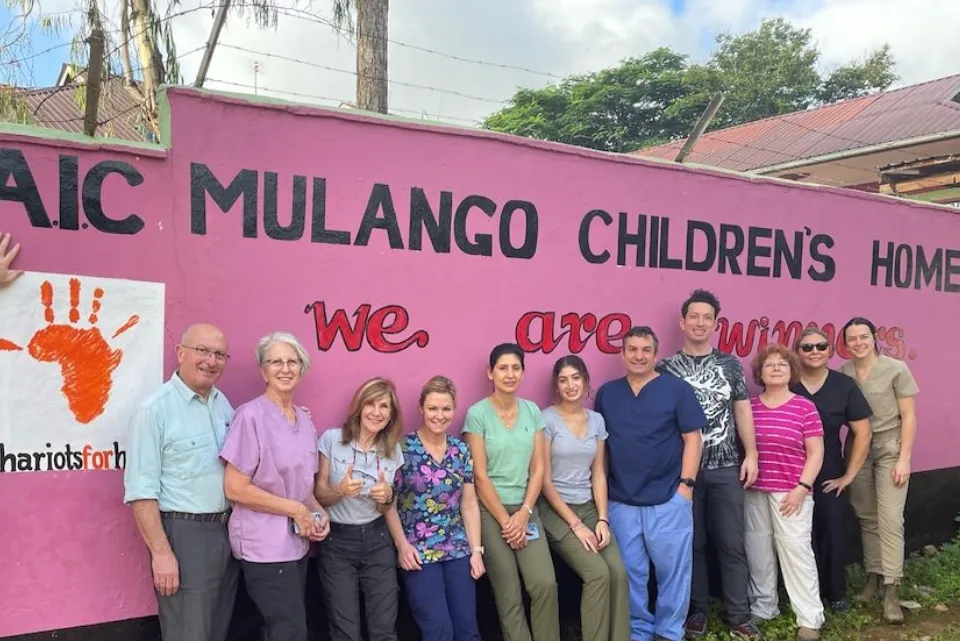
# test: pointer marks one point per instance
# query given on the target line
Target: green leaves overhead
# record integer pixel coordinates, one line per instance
(658, 97)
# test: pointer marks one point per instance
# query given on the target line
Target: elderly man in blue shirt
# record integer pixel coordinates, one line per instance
(654, 422)
(174, 483)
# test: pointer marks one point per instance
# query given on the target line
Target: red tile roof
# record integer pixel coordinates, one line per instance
(58, 108)
(916, 110)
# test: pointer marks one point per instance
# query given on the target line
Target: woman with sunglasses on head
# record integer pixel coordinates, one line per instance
(574, 505)
(879, 491)
(505, 435)
(839, 402)
(358, 462)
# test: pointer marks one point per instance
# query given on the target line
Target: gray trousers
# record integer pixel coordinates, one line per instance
(203, 606)
(718, 500)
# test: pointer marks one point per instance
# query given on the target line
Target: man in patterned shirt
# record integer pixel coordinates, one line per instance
(718, 497)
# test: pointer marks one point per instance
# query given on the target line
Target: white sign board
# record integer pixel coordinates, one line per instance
(77, 356)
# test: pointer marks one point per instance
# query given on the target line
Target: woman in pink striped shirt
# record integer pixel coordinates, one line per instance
(779, 506)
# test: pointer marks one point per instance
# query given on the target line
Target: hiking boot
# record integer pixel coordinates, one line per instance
(746, 631)
(871, 590)
(892, 613)
(807, 634)
(696, 625)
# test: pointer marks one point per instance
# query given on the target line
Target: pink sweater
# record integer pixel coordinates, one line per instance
(780, 441)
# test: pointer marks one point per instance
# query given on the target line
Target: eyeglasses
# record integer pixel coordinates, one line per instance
(277, 363)
(205, 352)
(776, 365)
(820, 347)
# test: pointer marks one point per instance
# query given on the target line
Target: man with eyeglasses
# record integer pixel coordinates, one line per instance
(174, 483)
(718, 499)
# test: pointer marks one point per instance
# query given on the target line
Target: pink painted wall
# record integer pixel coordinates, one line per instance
(72, 555)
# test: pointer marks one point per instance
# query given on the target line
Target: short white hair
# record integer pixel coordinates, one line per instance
(283, 337)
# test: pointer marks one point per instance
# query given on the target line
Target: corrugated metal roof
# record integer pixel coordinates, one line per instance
(58, 108)
(917, 110)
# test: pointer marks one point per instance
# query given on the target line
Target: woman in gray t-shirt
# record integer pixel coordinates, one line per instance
(573, 505)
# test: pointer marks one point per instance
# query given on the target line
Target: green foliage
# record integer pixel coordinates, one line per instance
(659, 97)
(861, 78)
(929, 580)
(13, 108)
(609, 110)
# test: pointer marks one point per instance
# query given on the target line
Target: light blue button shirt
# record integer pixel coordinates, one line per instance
(174, 451)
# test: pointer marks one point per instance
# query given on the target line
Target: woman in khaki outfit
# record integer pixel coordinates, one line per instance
(879, 491)
(573, 506)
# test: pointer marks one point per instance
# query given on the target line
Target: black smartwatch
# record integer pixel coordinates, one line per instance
(688, 482)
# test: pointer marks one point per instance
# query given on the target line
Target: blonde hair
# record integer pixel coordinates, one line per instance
(438, 385)
(386, 439)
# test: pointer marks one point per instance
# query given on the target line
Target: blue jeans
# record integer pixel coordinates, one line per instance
(662, 534)
(443, 600)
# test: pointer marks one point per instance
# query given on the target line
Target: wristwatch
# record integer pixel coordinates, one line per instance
(477, 548)
(688, 482)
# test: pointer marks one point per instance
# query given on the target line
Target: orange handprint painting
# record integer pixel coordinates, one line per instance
(87, 361)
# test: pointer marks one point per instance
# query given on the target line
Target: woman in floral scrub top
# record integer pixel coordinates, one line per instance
(436, 522)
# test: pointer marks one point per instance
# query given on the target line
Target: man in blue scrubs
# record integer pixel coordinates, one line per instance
(654, 422)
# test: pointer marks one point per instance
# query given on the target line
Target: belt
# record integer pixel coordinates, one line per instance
(217, 517)
(376, 524)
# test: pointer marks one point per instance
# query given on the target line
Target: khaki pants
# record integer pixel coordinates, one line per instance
(605, 598)
(505, 566)
(773, 539)
(878, 504)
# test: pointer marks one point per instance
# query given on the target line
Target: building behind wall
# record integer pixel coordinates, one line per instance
(861, 143)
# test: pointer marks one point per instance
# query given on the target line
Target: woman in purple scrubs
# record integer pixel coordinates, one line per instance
(271, 461)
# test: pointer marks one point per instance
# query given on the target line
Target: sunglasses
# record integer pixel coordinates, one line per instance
(821, 347)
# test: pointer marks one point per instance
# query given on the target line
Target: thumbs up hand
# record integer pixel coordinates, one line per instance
(348, 485)
(381, 492)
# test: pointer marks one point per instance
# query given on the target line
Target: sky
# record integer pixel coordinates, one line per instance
(459, 60)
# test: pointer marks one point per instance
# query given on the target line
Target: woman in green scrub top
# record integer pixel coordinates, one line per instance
(505, 435)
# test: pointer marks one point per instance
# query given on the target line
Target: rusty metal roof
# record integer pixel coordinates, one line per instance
(58, 108)
(916, 110)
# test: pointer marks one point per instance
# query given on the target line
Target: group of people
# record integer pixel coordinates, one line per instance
(673, 454)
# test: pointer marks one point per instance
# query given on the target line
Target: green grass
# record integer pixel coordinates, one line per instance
(928, 580)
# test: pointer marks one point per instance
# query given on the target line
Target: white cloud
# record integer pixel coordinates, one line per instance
(558, 37)
(921, 33)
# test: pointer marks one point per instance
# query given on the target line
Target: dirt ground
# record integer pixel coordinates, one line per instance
(923, 625)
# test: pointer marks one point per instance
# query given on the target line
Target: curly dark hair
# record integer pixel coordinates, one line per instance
(700, 296)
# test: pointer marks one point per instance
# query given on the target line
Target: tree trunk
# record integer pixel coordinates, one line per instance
(372, 55)
(149, 55)
(125, 42)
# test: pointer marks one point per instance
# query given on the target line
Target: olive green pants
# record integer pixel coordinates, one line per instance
(505, 566)
(605, 599)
